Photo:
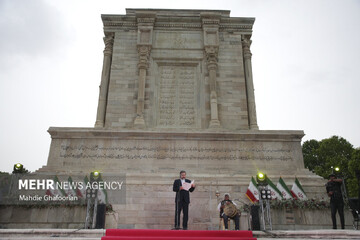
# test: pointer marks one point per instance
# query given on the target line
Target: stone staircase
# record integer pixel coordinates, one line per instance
(51, 234)
(97, 234)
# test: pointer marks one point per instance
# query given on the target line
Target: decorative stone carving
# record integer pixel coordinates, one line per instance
(211, 53)
(109, 43)
(105, 77)
(144, 53)
(145, 29)
(211, 45)
(177, 97)
(246, 42)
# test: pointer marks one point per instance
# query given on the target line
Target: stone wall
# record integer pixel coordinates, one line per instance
(245, 152)
(151, 160)
(165, 70)
(46, 217)
(150, 204)
(299, 219)
(121, 107)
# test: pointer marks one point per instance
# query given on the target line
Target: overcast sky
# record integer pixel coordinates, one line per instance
(306, 67)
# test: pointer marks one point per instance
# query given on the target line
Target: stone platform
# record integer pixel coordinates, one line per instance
(82, 234)
(78, 150)
(150, 160)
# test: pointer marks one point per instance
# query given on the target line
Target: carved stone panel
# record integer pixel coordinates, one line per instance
(177, 90)
(145, 37)
(211, 38)
(178, 40)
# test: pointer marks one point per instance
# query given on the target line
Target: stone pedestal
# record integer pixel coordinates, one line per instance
(151, 160)
(145, 151)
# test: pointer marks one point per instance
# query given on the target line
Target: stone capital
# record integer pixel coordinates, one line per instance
(109, 42)
(246, 43)
(211, 53)
(144, 53)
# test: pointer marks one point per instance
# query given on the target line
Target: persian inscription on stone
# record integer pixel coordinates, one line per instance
(130, 151)
(178, 40)
(177, 88)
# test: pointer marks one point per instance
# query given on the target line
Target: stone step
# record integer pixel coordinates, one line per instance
(50, 234)
(48, 238)
(69, 234)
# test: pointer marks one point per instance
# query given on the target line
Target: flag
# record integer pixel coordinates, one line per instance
(275, 193)
(82, 191)
(253, 192)
(57, 191)
(102, 196)
(297, 191)
(286, 194)
(73, 189)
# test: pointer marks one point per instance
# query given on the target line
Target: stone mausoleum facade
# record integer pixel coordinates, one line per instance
(177, 92)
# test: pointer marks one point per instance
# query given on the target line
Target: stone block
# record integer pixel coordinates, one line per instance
(126, 226)
(21, 215)
(39, 215)
(5, 214)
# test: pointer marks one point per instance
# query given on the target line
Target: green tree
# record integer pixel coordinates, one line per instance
(321, 157)
(354, 164)
(311, 159)
(354, 169)
(334, 152)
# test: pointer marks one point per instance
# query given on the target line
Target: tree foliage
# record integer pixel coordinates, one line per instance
(309, 150)
(323, 156)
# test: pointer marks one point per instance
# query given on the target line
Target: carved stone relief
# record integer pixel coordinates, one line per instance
(177, 88)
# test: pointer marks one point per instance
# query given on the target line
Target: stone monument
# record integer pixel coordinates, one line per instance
(177, 93)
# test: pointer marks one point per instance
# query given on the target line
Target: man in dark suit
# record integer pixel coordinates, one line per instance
(333, 189)
(182, 199)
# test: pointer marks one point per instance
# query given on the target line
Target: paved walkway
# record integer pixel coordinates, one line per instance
(308, 234)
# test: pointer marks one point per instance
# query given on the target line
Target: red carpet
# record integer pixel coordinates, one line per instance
(153, 234)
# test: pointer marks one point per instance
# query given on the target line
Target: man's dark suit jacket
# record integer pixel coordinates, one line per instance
(184, 195)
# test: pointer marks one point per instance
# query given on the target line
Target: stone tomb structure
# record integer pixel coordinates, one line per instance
(177, 93)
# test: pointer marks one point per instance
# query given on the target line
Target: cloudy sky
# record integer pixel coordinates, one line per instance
(306, 67)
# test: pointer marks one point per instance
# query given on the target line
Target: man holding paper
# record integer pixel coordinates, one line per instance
(182, 187)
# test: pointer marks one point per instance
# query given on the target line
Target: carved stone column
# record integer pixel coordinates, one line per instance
(144, 43)
(144, 53)
(246, 42)
(211, 57)
(211, 23)
(105, 77)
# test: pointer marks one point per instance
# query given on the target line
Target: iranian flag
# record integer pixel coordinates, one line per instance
(102, 196)
(57, 191)
(253, 192)
(286, 194)
(275, 193)
(297, 191)
(73, 190)
(82, 191)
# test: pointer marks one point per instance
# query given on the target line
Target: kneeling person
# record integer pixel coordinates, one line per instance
(221, 207)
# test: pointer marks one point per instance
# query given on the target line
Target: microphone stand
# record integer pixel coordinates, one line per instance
(177, 217)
